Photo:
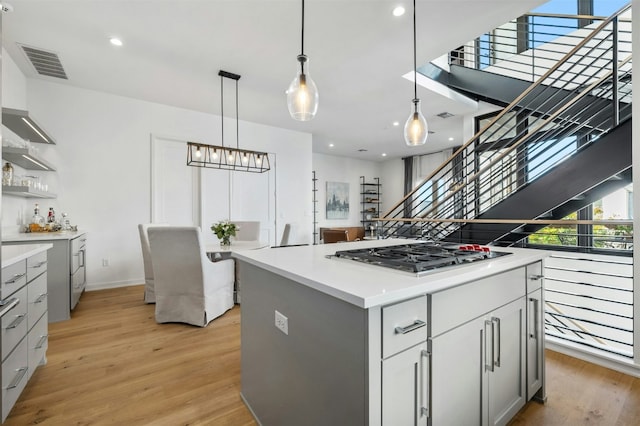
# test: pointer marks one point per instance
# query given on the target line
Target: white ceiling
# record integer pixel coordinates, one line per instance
(173, 50)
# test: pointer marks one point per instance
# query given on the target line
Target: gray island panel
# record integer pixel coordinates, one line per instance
(315, 375)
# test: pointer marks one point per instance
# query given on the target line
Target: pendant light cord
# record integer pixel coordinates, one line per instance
(415, 67)
(222, 107)
(237, 120)
(302, 32)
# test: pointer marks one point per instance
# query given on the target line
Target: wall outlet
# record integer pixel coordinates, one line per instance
(282, 323)
(105, 262)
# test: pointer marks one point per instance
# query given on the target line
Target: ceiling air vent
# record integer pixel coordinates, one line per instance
(445, 115)
(45, 63)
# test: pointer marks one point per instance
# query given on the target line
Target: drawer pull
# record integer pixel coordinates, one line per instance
(15, 278)
(536, 277)
(16, 322)
(9, 305)
(42, 341)
(41, 298)
(39, 265)
(18, 378)
(408, 329)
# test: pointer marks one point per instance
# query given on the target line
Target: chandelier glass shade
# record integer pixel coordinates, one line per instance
(226, 157)
(302, 94)
(415, 129)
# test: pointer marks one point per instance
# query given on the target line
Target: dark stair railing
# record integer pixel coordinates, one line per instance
(576, 101)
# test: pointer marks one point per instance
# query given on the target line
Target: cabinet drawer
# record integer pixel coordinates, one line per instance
(534, 276)
(13, 277)
(38, 342)
(403, 325)
(14, 323)
(457, 305)
(14, 377)
(37, 297)
(36, 265)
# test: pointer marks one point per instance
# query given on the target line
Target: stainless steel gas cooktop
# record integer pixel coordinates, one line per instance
(420, 258)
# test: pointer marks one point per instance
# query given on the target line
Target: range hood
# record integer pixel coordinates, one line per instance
(26, 127)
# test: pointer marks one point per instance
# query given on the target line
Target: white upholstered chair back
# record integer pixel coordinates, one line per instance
(247, 230)
(149, 296)
(189, 287)
(286, 234)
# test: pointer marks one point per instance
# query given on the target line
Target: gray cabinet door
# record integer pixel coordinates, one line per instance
(457, 370)
(507, 379)
(404, 387)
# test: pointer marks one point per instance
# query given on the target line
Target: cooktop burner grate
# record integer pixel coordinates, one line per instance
(418, 258)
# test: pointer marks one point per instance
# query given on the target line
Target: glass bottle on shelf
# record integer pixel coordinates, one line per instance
(37, 221)
(7, 174)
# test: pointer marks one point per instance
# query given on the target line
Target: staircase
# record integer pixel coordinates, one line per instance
(561, 141)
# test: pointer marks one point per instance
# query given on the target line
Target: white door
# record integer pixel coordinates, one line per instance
(175, 187)
(240, 196)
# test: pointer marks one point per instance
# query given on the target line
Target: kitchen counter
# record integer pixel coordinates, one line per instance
(14, 254)
(368, 285)
(41, 236)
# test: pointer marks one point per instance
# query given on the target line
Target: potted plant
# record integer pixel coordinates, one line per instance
(224, 230)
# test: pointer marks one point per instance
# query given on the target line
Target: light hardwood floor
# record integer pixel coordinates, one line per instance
(111, 364)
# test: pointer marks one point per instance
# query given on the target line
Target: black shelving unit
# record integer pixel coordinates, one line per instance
(314, 209)
(369, 200)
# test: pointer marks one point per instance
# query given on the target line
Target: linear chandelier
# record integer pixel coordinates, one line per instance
(226, 157)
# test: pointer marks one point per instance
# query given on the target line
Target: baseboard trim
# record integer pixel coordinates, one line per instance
(113, 284)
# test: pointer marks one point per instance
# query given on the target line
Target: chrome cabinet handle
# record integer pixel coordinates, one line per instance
(41, 298)
(488, 343)
(39, 265)
(15, 278)
(496, 336)
(42, 341)
(534, 335)
(411, 327)
(425, 366)
(16, 322)
(8, 306)
(536, 277)
(18, 377)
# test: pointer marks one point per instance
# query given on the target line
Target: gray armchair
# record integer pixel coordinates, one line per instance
(149, 296)
(189, 287)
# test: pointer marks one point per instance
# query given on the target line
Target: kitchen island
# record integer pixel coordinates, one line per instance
(331, 341)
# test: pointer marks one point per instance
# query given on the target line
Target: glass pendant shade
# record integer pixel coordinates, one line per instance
(302, 95)
(415, 129)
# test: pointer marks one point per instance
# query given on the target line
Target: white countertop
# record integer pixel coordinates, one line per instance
(369, 285)
(14, 254)
(41, 236)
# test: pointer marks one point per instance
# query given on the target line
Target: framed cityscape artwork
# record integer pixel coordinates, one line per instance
(337, 200)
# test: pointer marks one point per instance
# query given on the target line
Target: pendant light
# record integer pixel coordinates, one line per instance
(415, 129)
(302, 95)
(226, 157)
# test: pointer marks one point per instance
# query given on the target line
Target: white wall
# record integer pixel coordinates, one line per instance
(103, 169)
(330, 168)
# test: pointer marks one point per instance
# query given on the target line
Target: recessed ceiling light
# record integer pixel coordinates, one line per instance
(396, 123)
(450, 139)
(384, 154)
(115, 41)
(330, 145)
(398, 11)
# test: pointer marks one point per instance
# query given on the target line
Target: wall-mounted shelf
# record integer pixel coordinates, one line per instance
(369, 200)
(20, 123)
(25, 192)
(24, 159)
